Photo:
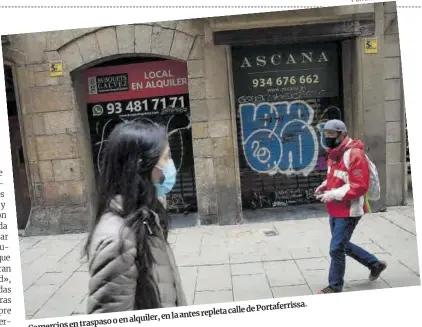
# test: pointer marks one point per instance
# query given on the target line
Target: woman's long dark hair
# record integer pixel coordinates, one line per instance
(132, 151)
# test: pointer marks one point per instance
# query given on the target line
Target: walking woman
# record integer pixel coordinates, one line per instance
(131, 265)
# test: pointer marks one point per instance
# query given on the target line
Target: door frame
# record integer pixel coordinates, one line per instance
(22, 132)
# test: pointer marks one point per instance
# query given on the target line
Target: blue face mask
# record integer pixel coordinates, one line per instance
(169, 172)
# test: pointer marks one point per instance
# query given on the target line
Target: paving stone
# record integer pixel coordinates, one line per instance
(373, 248)
(313, 264)
(80, 309)
(213, 255)
(403, 221)
(400, 248)
(213, 240)
(242, 247)
(53, 278)
(360, 238)
(187, 259)
(397, 275)
(283, 273)
(269, 253)
(251, 287)
(245, 233)
(292, 238)
(363, 285)
(53, 264)
(209, 297)
(27, 243)
(214, 278)
(409, 260)
(323, 246)
(188, 243)
(57, 243)
(355, 270)
(67, 297)
(290, 291)
(306, 252)
(189, 277)
(74, 255)
(245, 258)
(216, 231)
(36, 296)
(31, 273)
(316, 279)
(403, 281)
(32, 255)
(247, 269)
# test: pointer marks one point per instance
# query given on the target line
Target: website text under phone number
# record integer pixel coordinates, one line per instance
(285, 80)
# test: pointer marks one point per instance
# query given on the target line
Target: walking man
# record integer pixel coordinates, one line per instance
(348, 180)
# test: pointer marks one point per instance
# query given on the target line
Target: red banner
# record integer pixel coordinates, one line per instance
(136, 81)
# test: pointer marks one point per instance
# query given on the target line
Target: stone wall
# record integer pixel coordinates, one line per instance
(50, 139)
(394, 110)
(215, 166)
(370, 93)
(54, 130)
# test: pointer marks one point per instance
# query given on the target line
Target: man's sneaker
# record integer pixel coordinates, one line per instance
(328, 290)
(376, 272)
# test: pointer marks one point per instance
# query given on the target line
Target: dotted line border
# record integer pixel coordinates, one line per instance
(173, 7)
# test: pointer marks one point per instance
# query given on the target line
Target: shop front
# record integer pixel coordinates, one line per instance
(284, 94)
(157, 91)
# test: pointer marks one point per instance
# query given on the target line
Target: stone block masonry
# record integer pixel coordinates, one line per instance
(52, 123)
(394, 109)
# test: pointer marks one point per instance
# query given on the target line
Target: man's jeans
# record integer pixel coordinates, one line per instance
(340, 246)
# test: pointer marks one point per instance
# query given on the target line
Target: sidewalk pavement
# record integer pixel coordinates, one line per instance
(256, 260)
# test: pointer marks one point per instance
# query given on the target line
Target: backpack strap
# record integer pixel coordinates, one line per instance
(346, 158)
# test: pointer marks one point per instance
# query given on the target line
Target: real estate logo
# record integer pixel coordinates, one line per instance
(108, 83)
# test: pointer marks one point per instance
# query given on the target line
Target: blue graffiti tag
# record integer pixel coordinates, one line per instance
(279, 137)
(320, 128)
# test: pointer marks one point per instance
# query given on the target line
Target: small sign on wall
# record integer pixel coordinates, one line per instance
(56, 69)
(371, 45)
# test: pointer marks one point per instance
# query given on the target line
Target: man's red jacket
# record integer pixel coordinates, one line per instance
(348, 178)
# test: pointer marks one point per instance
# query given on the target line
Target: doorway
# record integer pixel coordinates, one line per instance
(20, 177)
(120, 90)
(284, 94)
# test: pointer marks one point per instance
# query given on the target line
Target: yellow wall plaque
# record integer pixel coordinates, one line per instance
(56, 69)
(371, 45)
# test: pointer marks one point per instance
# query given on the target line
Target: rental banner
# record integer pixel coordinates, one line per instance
(136, 81)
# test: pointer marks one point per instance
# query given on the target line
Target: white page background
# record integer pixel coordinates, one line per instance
(368, 308)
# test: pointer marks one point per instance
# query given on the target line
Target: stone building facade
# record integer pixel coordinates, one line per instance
(56, 134)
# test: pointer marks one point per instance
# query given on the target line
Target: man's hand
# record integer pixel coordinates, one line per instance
(320, 189)
(327, 196)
